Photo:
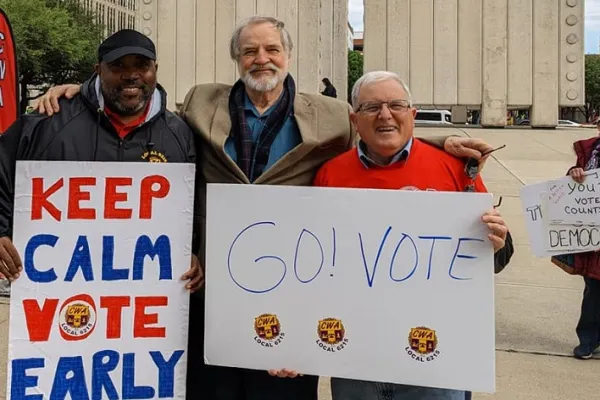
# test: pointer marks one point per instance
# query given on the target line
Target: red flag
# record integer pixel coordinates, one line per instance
(9, 79)
(9, 89)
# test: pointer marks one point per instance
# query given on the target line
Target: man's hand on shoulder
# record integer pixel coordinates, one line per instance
(48, 103)
(10, 261)
(463, 147)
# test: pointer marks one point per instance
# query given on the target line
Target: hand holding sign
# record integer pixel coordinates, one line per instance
(496, 224)
(194, 275)
(577, 174)
(284, 373)
(10, 261)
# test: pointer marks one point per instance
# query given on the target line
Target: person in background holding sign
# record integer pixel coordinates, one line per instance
(585, 264)
(388, 156)
(260, 131)
(120, 115)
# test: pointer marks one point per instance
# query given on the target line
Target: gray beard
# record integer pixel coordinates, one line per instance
(263, 85)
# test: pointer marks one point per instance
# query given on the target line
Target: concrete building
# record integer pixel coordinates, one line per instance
(492, 55)
(114, 15)
(192, 39)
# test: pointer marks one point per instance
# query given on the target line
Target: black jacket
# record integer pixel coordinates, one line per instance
(82, 132)
(503, 256)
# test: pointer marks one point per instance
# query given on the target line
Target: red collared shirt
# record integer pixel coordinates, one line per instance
(122, 128)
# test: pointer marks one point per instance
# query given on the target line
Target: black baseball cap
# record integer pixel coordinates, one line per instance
(126, 42)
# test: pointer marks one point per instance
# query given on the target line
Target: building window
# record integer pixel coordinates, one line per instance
(114, 22)
(103, 20)
(113, 15)
(111, 21)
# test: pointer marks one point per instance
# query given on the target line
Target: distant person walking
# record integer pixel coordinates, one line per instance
(329, 88)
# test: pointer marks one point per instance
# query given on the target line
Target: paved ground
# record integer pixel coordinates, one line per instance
(537, 304)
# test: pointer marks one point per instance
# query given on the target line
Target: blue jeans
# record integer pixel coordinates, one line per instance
(348, 389)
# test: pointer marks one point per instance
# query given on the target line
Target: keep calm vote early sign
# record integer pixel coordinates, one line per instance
(100, 311)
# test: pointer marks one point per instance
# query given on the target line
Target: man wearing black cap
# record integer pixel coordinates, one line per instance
(120, 115)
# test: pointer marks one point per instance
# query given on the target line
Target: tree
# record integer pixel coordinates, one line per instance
(592, 86)
(355, 70)
(56, 42)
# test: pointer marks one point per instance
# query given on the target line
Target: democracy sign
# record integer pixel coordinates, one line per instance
(100, 311)
(380, 285)
(553, 232)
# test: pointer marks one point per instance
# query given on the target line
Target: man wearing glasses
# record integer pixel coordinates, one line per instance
(388, 156)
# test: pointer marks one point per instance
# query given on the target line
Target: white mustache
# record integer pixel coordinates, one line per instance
(270, 66)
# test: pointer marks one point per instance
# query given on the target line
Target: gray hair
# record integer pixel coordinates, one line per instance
(234, 43)
(377, 76)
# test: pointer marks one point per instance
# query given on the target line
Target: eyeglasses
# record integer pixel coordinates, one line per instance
(374, 107)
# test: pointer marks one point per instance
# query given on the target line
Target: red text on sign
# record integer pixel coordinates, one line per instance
(39, 320)
(79, 191)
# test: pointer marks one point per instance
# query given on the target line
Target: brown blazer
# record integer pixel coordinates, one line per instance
(324, 125)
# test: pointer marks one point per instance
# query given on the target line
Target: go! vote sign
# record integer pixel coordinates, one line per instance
(379, 285)
(100, 311)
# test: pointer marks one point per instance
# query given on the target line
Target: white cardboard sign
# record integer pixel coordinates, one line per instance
(99, 310)
(548, 238)
(392, 286)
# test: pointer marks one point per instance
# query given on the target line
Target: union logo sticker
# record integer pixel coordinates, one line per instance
(77, 317)
(422, 344)
(331, 335)
(268, 330)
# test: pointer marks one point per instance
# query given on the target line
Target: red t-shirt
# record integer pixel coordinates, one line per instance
(125, 129)
(427, 168)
